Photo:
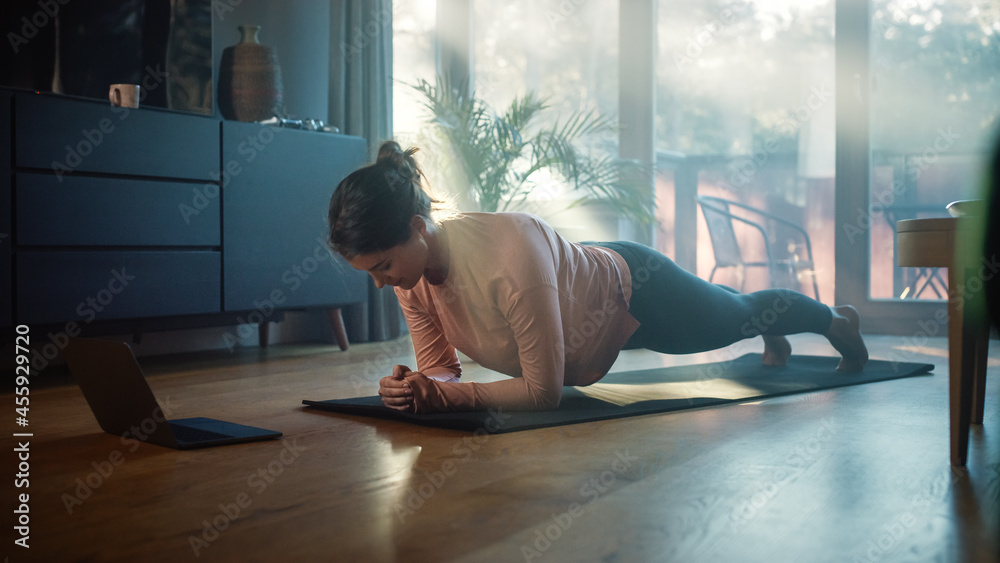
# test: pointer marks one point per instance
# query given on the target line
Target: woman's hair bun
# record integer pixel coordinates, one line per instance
(373, 207)
(391, 155)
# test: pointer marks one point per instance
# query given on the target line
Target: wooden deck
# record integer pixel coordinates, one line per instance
(854, 474)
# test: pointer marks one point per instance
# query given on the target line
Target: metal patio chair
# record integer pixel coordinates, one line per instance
(783, 269)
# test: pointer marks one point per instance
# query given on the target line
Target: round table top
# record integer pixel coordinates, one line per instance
(932, 224)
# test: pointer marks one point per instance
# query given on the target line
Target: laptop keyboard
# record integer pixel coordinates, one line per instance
(189, 434)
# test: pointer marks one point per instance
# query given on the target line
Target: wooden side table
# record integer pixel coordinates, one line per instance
(932, 243)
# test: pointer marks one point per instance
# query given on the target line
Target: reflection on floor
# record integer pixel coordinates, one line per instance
(858, 473)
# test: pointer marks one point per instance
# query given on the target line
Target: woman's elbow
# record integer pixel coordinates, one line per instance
(547, 399)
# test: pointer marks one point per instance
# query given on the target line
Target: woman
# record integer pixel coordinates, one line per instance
(517, 298)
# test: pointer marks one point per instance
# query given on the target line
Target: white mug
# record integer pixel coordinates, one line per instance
(124, 95)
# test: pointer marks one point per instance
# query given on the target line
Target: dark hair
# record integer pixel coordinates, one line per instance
(371, 209)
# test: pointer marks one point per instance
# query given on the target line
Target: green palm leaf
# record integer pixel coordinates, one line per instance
(497, 156)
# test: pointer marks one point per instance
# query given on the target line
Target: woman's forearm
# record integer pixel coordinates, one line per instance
(515, 394)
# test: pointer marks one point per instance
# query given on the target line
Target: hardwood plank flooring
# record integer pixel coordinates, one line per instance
(853, 474)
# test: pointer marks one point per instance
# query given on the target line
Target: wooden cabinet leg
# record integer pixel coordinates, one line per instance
(263, 333)
(339, 332)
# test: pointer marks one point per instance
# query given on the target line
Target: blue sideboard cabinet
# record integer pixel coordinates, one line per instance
(165, 219)
(276, 193)
(98, 233)
(6, 240)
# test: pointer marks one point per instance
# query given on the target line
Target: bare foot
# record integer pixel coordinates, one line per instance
(777, 349)
(845, 336)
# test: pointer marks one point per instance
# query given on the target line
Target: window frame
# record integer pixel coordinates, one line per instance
(852, 47)
(852, 184)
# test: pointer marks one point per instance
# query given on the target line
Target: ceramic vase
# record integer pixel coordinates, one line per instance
(249, 79)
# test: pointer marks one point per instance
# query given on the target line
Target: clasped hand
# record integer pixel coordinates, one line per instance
(395, 391)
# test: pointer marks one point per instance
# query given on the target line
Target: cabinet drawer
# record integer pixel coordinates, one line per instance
(122, 212)
(85, 286)
(65, 135)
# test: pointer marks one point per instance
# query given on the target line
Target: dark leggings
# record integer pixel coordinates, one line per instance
(681, 313)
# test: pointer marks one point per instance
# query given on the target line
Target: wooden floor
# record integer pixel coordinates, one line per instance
(854, 474)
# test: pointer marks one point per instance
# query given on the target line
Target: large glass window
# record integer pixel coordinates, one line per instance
(413, 59)
(934, 106)
(565, 52)
(745, 113)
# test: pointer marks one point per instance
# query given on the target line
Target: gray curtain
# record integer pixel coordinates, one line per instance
(361, 104)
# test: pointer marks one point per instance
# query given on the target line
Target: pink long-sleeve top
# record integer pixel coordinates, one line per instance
(521, 300)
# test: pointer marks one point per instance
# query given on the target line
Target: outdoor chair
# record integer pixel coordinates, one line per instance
(786, 267)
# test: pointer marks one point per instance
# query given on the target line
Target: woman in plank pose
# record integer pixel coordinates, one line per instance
(513, 295)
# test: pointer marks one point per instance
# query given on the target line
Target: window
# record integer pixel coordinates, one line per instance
(413, 25)
(934, 107)
(745, 109)
(566, 52)
(760, 102)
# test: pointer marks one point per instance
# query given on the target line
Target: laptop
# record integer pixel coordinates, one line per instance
(124, 405)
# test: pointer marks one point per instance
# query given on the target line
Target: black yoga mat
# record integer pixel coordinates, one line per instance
(652, 391)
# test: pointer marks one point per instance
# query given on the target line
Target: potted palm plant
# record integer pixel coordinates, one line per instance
(497, 160)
